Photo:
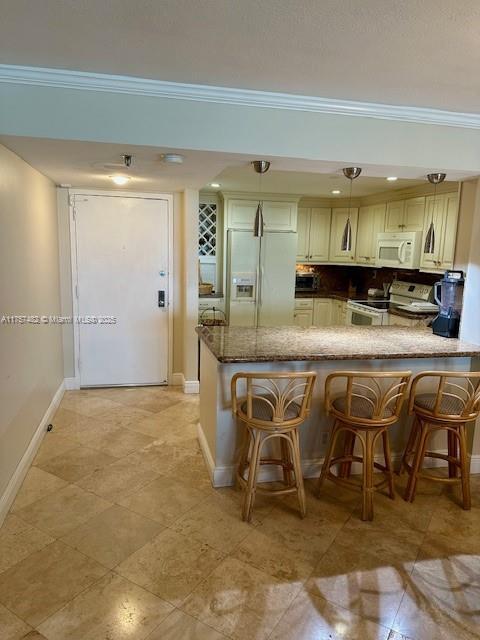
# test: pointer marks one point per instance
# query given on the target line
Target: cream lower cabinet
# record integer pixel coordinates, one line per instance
(444, 210)
(303, 314)
(371, 221)
(313, 228)
(339, 219)
(339, 313)
(405, 215)
(322, 312)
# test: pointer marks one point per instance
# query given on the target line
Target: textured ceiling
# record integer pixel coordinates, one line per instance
(406, 53)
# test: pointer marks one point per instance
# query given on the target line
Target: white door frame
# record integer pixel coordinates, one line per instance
(168, 198)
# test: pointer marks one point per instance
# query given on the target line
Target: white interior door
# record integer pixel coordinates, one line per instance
(122, 265)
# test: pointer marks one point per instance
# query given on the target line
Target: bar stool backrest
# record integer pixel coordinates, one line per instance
(367, 397)
(457, 394)
(273, 398)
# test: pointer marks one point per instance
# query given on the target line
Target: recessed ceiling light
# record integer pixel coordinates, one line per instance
(336, 192)
(120, 180)
(392, 178)
(215, 185)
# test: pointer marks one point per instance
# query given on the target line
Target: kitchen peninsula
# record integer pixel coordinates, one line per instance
(226, 350)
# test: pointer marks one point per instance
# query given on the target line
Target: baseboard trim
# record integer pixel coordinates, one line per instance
(191, 386)
(176, 379)
(71, 384)
(24, 465)
(224, 476)
(207, 454)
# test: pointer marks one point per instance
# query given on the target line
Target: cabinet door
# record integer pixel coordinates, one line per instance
(303, 234)
(339, 219)
(394, 216)
(449, 231)
(319, 234)
(277, 216)
(303, 318)
(435, 209)
(414, 214)
(400, 321)
(322, 312)
(280, 216)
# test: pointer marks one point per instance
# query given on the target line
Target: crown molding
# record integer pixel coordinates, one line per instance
(86, 81)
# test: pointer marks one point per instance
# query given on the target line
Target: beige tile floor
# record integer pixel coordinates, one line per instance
(117, 534)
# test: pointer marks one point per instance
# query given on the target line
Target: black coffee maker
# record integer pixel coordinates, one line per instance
(449, 296)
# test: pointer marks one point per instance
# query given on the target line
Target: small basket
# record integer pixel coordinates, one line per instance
(205, 288)
(215, 321)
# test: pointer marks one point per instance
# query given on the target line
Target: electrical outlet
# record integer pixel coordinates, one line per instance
(325, 435)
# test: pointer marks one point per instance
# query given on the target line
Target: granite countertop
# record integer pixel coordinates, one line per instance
(277, 344)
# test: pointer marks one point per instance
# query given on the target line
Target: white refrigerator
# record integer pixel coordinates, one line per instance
(261, 278)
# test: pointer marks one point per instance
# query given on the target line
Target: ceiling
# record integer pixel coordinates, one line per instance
(403, 53)
(91, 165)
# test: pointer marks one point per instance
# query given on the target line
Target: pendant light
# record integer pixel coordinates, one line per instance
(261, 167)
(351, 173)
(433, 178)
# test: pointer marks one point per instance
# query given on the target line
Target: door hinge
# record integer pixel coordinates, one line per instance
(76, 291)
(74, 213)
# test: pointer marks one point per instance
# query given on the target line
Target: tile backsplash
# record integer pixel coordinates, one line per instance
(360, 279)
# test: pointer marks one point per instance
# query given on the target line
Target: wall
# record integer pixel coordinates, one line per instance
(190, 289)
(31, 358)
(470, 329)
(66, 297)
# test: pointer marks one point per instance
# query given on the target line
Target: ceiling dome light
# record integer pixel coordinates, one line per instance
(215, 185)
(173, 158)
(336, 192)
(392, 178)
(120, 180)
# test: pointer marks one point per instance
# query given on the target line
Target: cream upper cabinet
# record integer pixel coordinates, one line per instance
(339, 219)
(322, 312)
(444, 208)
(313, 226)
(405, 215)
(394, 216)
(319, 233)
(303, 234)
(371, 221)
(277, 216)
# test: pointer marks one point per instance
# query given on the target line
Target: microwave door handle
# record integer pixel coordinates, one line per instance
(401, 251)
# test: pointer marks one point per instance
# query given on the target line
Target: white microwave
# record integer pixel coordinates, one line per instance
(399, 249)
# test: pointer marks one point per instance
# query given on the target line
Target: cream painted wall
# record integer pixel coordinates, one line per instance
(190, 284)
(66, 299)
(31, 361)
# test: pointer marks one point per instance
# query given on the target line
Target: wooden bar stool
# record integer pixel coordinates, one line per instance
(454, 403)
(366, 406)
(275, 406)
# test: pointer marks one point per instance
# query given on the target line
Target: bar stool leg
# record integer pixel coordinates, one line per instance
(388, 464)
(244, 455)
(297, 467)
(252, 477)
(417, 462)
(286, 461)
(410, 448)
(328, 457)
(346, 467)
(367, 483)
(464, 467)
(452, 453)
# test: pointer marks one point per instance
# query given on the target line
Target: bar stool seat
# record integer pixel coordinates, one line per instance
(455, 403)
(275, 406)
(367, 405)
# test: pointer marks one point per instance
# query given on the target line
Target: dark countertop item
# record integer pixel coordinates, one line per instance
(280, 344)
